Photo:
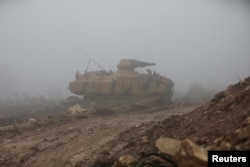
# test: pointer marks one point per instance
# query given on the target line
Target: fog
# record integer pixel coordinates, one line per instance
(191, 42)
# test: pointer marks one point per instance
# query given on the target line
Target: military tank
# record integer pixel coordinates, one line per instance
(125, 86)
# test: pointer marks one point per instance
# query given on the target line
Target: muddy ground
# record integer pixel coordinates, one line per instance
(46, 134)
(74, 140)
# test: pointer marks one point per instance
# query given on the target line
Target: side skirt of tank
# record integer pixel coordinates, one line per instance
(119, 101)
(108, 101)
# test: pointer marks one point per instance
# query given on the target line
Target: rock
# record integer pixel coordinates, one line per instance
(218, 111)
(218, 140)
(243, 146)
(243, 82)
(230, 98)
(229, 90)
(244, 133)
(247, 121)
(191, 154)
(32, 120)
(156, 159)
(76, 110)
(145, 139)
(247, 88)
(225, 146)
(103, 160)
(168, 145)
(124, 161)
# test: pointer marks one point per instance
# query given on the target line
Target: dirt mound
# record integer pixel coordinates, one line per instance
(221, 124)
(212, 122)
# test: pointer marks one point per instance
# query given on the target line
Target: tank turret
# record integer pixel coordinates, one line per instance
(131, 64)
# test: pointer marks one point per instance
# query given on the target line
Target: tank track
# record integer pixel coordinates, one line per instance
(119, 101)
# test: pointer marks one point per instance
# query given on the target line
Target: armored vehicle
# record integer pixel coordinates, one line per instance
(125, 86)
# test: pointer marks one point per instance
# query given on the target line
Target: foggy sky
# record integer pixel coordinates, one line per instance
(204, 42)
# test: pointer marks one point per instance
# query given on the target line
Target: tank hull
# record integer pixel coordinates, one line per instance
(125, 86)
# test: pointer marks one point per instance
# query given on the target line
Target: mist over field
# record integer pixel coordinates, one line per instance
(206, 43)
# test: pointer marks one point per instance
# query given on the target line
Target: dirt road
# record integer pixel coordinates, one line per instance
(75, 142)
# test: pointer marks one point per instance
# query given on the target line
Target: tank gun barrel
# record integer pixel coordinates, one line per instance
(137, 63)
(128, 64)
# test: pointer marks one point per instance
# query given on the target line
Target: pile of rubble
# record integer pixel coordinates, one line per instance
(183, 140)
(228, 112)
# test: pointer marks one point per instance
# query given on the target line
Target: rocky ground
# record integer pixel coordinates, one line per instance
(39, 132)
(72, 140)
(221, 124)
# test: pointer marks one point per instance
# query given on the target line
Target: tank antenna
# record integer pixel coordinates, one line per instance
(88, 65)
(90, 59)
